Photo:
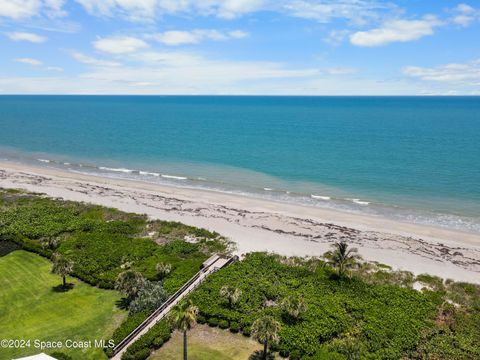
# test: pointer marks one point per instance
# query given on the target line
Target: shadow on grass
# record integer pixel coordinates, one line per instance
(123, 303)
(258, 355)
(62, 289)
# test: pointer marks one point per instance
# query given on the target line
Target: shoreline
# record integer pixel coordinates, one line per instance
(262, 225)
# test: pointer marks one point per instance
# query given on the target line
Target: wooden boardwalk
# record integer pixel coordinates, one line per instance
(213, 264)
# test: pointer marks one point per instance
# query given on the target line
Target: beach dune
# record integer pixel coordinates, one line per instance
(262, 225)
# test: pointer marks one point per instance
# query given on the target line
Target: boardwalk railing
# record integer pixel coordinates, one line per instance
(183, 291)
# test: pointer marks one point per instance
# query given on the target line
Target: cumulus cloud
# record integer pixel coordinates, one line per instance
(396, 31)
(120, 44)
(176, 37)
(465, 15)
(23, 9)
(29, 61)
(467, 73)
(26, 36)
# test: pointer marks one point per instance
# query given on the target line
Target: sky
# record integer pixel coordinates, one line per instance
(240, 47)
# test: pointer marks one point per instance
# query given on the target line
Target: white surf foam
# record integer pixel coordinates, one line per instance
(44, 160)
(320, 197)
(360, 202)
(148, 173)
(123, 170)
(173, 177)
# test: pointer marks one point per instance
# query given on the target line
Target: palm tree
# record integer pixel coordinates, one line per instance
(183, 317)
(342, 257)
(231, 294)
(62, 266)
(293, 306)
(130, 282)
(265, 330)
(163, 269)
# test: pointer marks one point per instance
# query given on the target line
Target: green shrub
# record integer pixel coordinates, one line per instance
(223, 324)
(234, 327)
(161, 330)
(247, 331)
(295, 355)
(158, 342)
(142, 354)
(127, 326)
(201, 319)
(213, 322)
(387, 320)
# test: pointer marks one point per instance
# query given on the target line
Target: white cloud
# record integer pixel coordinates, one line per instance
(465, 9)
(54, 8)
(186, 72)
(238, 34)
(23, 9)
(29, 61)
(176, 37)
(120, 44)
(467, 73)
(396, 31)
(141, 10)
(465, 15)
(25, 36)
(18, 9)
(89, 60)
(335, 37)
(356, 11)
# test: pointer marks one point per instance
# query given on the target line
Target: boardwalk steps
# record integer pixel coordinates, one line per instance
(214, 263)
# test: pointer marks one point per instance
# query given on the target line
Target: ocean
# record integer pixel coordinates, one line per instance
(414, 159)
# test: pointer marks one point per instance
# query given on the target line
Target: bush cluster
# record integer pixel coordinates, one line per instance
(155, 338)
(385, 320)
(103, 242)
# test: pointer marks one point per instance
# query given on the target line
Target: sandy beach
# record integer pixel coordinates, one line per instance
(261, 225)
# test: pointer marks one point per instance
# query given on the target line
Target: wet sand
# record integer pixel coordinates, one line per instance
(262, 225)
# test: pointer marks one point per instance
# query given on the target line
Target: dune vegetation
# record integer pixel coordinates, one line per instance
(330, 307)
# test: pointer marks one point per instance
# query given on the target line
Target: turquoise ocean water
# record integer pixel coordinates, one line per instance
(415, 159)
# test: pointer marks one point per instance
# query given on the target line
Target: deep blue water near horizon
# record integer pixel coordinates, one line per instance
(410, 158)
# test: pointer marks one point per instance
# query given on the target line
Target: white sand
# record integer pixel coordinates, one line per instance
(261, 225)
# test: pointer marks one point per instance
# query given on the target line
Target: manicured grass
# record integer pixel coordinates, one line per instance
(31, 309)
(208, 343)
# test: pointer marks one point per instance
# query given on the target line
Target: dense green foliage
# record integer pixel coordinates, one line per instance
(155, 338)
(383, 321)
(100, 241)
(374, 314)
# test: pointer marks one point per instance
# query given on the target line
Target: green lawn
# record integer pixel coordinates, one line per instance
(31, 309)
(209, 343)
